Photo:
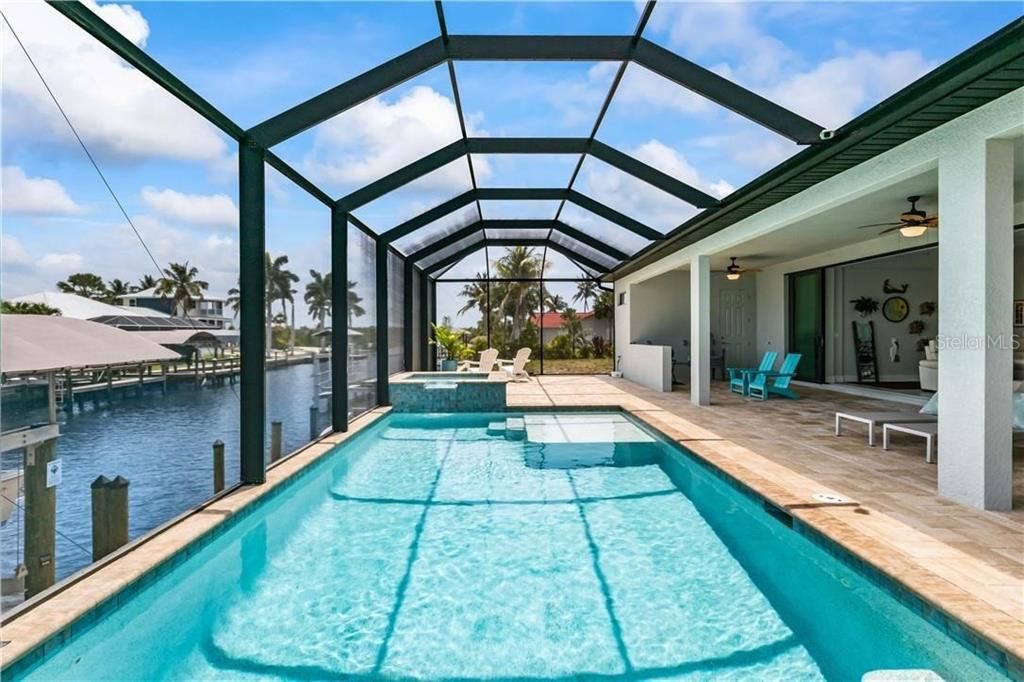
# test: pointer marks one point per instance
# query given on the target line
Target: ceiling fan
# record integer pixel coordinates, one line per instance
(912, 223)
(733, 272)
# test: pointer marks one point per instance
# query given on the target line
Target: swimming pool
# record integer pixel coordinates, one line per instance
(442, 547)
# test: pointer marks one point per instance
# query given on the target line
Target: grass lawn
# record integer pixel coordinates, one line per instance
(575, 366)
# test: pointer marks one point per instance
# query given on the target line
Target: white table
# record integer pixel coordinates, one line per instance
(929, 431)
(873, 419)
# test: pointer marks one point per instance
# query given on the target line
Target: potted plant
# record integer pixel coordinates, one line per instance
(449, 340)
(865, 305)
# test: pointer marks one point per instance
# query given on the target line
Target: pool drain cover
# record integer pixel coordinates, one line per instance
(828, 498)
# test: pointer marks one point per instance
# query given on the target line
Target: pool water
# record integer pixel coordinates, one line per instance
(428, 548)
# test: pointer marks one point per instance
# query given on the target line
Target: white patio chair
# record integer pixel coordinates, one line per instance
(488, 359)
(517, 366)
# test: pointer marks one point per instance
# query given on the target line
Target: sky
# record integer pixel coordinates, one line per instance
(176, 174)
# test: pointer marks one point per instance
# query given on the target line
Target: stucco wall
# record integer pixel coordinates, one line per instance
(920, 271)
(660, 314)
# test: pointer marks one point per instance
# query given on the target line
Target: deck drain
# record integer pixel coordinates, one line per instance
(830, 499)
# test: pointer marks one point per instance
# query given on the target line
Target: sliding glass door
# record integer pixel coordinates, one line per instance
(807, 323)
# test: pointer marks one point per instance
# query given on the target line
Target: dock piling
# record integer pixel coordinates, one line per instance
(109, 515)
(275, 440)
(218, 466)
(314, 415)
(40, 518)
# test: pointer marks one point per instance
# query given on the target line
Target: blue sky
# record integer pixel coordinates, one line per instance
(176, 175)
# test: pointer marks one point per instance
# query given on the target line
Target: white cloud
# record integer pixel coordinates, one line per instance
(721, 189)
(63, 263)
(379, 136)
(641, 200)
(13, 254)
(836, 90)
(211, 210)
(643, 87)
(38, 196)
(728, 38)
(115, 108)
(715, 30)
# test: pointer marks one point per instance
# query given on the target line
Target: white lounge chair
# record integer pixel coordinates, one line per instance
(873, 419)
(928, 431)
(488, 359)
(517, 366)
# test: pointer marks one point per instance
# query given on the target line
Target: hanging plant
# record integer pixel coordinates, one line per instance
(865, 305)
(916, 327)
(927, 308)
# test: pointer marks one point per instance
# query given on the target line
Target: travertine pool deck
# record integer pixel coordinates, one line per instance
(969, 563)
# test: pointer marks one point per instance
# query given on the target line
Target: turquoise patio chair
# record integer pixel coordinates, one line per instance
(767, 383)
(739, 377)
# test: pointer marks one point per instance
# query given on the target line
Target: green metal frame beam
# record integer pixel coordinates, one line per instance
(519, 194)
(538, 48)
(406, 174)
(339, 320)
(381, 293)
(724, 92)
(253, 292)
(350, 93)
(651, 175)
(556, 226)
(611, 215)
(473, 248)
(282, 167)
(547, 243)
(500, 225)
(526, 145)
(429, 216)
(109, 36)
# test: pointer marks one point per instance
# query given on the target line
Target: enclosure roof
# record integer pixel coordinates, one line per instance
(940, 96)
(446, 49)
(40, 343)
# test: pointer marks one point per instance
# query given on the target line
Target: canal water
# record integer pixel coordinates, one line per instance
(162, 444)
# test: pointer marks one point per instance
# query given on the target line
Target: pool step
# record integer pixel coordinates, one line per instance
(496, 429)
(515, 428)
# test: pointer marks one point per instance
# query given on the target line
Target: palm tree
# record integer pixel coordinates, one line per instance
(604, 306)
(117, 288)
(180, 283)
(279, 288)
(234, 300)
(573, 330)
(146, 282)
(519, 297)
(586, 290)
(475, 294)
(553, 302)
(318, 298)
(84, 284)
(27, 308)
(354, 299)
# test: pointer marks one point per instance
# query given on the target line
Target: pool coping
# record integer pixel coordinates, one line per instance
(38, 627)
(52, 618)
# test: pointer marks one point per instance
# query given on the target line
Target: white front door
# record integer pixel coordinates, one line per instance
(735, 313)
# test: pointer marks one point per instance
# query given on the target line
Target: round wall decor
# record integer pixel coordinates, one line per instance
(895, 309)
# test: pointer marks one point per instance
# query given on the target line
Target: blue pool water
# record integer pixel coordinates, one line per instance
(426, 548)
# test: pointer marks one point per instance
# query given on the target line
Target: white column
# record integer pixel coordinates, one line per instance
(700, 330)
(975, 323)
